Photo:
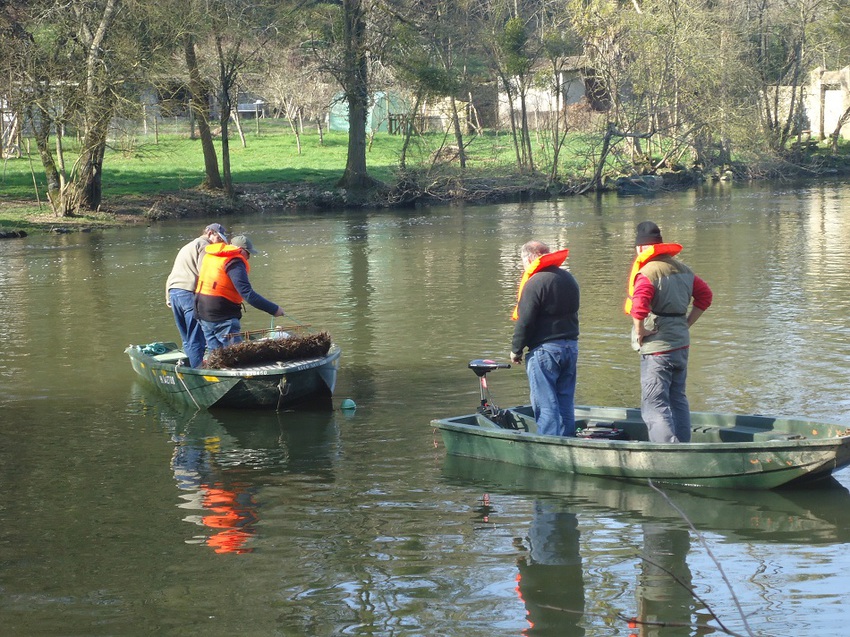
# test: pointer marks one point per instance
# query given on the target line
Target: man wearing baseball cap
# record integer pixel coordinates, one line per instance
(180, 291)
(222, 287)
(659, 301)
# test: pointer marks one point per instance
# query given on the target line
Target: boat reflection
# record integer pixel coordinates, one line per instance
(807, 516)
(221, 461)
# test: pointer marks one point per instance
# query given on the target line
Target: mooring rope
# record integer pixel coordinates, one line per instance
(182, 382)
(282, 393)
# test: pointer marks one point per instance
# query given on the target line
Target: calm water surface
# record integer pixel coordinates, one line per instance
(120, 514)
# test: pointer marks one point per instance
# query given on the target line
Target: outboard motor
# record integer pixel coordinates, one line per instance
(487, 408)
(482, 366)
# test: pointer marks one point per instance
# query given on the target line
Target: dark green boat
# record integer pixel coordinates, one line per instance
(726, 451)
(278, 384)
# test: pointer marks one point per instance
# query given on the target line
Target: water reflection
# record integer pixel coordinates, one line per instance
(809, 516)
(550, 580)
(227, 505)
(664, 591)
(222, 460)
(673, 524)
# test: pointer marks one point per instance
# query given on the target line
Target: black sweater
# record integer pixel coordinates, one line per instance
(548, 309)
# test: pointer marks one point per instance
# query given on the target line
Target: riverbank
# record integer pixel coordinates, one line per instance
(153, 183)
(278, 196)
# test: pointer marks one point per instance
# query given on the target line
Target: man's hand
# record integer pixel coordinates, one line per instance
(641, 332)
(516, 358)
(279, 311)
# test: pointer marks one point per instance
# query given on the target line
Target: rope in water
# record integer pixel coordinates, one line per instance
(283, 393)
(182, 382)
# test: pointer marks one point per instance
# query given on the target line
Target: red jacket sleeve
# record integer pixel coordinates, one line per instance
(642, 298)
(702, 294)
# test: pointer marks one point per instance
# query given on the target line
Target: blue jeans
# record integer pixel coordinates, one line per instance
(220, 333)
(183, 307)
(663, 404)
(551, 369)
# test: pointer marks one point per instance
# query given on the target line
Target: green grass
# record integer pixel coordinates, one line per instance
(139, 165)
(145, 165)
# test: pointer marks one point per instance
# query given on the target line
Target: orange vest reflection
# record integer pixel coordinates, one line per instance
(228, 508)
(231, 512)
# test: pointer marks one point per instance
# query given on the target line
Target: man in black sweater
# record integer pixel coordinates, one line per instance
(546, 318)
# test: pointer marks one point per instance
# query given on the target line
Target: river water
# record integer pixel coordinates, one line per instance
(120, 514)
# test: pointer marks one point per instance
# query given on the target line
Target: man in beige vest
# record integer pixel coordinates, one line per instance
(660, 291)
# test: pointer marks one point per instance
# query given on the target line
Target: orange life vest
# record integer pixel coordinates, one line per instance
(543, 261)
(648, 254)
(213, 279)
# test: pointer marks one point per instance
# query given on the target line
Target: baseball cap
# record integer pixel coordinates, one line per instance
(218, 229)
(241, 241)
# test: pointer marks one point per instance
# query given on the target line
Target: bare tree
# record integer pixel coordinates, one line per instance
(515, 60)
(200, 90)
(354, 78)
(99, 102)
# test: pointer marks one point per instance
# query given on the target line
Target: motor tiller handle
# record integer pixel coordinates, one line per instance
(482, 366)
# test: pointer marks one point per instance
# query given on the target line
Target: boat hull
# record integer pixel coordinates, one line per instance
(279, 384)
(726, 451)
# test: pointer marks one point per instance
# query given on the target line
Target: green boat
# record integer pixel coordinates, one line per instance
(726, 450)
(276, 384)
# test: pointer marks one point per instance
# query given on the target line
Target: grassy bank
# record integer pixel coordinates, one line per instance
(141, 168)
(155, 174)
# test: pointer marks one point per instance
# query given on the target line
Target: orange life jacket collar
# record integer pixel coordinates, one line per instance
(550, 259)
(647, 255)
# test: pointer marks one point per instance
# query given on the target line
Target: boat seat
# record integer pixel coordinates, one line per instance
(740, 433)
(171, 358)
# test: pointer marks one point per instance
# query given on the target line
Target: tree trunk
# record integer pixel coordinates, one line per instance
(234, 114)
(596, 182)
(290, 107)
(408, 130)
(836, 134)
(90, 180)
(461, 151)
(356, 177)
(201, 110)
(41, 131)
(98, 113)
(526, 134)
(511, 110)
(559, 134)
(224, 117)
